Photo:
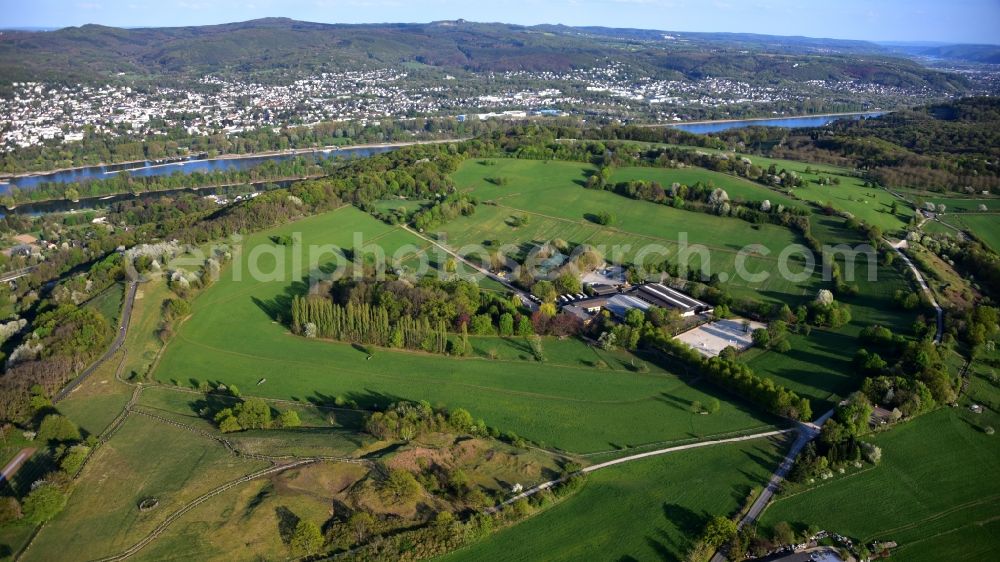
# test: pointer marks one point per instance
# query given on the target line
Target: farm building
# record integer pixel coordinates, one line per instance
(603, 290)
(880, 416)
(642, 297)
(583, 314)
(658, 294)
(619, 305)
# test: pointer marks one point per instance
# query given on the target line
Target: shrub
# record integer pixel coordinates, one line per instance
(73, 459)
(289, 418)
(306, 539)
(58, 428)
(44, 503)
(401, 486)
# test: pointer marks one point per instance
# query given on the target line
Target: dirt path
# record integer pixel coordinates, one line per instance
(155, 533)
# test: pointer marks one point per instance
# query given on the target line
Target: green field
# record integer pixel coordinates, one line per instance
(865, 203)
(99, 400)
(934, 492)
(817, 367)
(985, 226)
(736, 187)
(231, 338)
(954, 204)
(643, 510)
(558, 206)
(109, 302)
(144, 459)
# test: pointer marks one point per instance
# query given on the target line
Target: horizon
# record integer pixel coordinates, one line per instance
(898, 43)
(965, 22)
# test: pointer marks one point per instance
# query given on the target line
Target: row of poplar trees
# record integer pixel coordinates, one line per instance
(365, 324)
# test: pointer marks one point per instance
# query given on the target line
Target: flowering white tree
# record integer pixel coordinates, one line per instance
(824, 297)
(718, 196)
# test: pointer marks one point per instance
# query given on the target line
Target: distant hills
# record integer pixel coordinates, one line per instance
(278, 48)
(984, 54)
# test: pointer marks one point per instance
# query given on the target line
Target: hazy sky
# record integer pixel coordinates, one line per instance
(966, 21)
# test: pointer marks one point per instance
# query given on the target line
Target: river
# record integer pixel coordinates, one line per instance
(186, 166)
(784, 122)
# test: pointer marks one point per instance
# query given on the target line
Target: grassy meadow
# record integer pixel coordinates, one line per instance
(551, 194)
(103, 518)
(933, 492)
(867, 203)
(232, 338)
(644, 510)
(984, 226)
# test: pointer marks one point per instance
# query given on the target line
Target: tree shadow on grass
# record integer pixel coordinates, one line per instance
(663, 551)
(678, 403)
(286, 523)
(366, 400)
(208, 405)
(280, 307)
(768, 464)
(31, 470)
(687, 521)
(255, 502)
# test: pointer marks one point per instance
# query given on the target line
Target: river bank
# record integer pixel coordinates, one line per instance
(775, 118)
(46, 206)
(146, 164)
(819, 120)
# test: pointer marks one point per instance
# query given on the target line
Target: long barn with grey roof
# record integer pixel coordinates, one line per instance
(658, 294)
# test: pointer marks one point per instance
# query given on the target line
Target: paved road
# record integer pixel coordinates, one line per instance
(115, 345)
(16, 463)
(806, 433)
(898, 246)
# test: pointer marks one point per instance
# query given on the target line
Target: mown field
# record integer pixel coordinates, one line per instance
(570, 402)
(737, 188)
(644, 510)
(558, 207)
(954, 204)
(934, 492)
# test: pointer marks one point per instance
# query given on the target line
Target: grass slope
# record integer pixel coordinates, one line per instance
(551, 193)
(867, 203)
(643, 510)
(102, 517)
(933, 493)
(231, 338)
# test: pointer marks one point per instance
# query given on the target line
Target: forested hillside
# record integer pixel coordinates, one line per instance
(952, 146)
(277, 49)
